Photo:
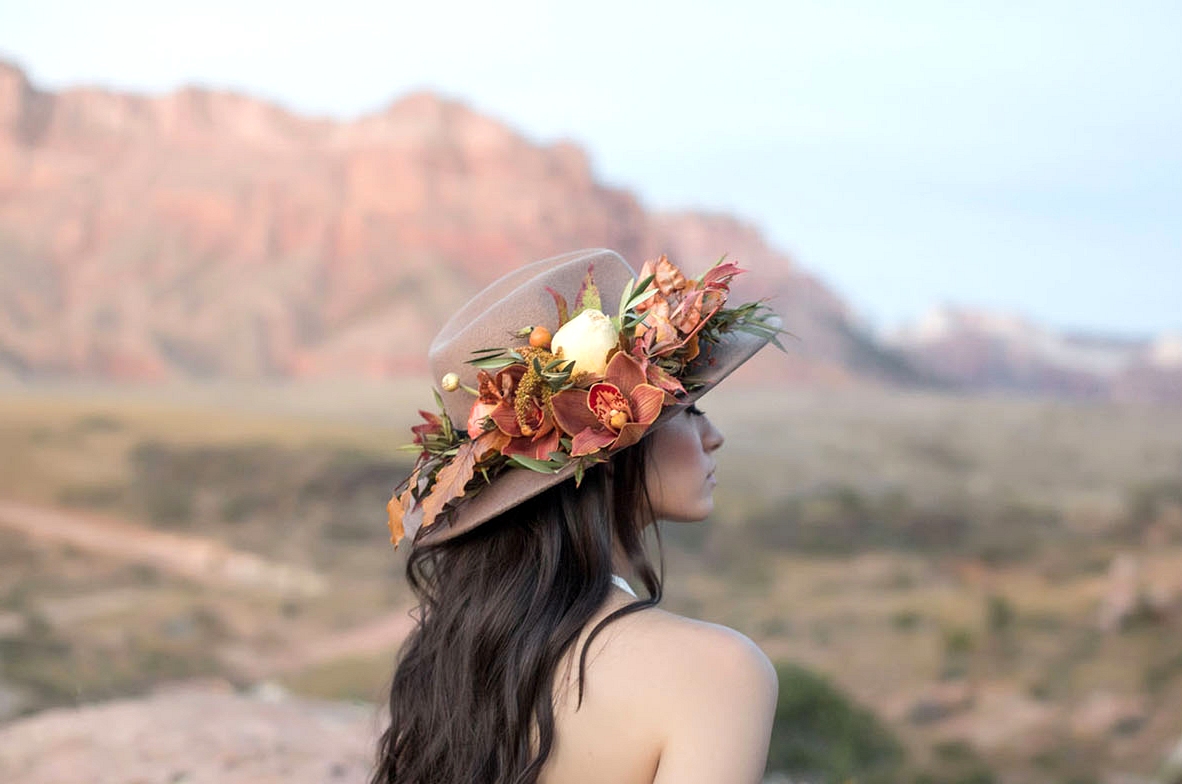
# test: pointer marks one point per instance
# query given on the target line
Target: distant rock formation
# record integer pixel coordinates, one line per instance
(983, 350)
(208, 234)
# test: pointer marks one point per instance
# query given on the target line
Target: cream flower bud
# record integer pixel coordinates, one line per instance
(450, 382)
(586, 339)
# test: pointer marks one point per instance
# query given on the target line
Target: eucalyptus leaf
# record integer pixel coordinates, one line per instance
(541, 466)
(492, 363)
(642, 297)
(624, 297)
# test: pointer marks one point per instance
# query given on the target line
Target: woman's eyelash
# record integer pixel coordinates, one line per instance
(693, 409)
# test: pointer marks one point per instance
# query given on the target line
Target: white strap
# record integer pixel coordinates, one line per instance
(620, 581)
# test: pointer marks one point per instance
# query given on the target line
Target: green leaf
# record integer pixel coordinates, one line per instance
(624, 297)
(642, 298)
(492, 363)
(541, 466)
(644, 283)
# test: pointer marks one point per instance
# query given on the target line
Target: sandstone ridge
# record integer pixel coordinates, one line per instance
(207, 234)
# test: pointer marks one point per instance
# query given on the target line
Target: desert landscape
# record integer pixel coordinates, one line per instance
(988, 589)
(960, 544)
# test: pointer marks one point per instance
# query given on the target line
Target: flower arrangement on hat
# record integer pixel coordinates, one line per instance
(593, 385)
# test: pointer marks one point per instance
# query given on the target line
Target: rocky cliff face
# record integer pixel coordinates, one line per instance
(209, 234)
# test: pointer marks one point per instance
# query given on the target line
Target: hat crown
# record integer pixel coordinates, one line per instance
(520, 299)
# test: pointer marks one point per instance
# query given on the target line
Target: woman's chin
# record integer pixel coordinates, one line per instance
(696, 515)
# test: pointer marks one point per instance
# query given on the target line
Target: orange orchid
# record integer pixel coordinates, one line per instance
(532, 434)
(613, 413)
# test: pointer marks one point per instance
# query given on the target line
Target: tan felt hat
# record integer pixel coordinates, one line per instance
(494, 317)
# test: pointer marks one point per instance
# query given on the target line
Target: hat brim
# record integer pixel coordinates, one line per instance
(513, 486)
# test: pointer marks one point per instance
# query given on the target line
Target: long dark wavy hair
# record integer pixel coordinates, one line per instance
(472, 696)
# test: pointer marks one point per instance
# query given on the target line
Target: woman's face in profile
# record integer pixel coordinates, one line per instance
(680, 467)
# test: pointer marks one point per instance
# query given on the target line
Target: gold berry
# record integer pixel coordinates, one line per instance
(450, 382)
(539, 337)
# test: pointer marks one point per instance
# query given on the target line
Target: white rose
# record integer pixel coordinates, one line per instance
(586, 339)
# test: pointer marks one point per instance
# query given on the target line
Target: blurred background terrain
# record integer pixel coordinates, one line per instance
(958, 531)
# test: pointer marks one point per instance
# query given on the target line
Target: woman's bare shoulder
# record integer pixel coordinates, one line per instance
(706, 692)
(693, 649)
(668, 659)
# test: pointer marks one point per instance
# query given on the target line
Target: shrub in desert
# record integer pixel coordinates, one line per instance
(822, 734)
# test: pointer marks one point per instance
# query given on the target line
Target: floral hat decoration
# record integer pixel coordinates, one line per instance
(537, 382)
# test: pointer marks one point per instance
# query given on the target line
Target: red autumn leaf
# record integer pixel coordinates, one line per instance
(719, 276)
(588, 297)
(561, 306)
(431, 425)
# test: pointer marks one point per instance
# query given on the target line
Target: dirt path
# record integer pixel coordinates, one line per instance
(214, 563)
(381, 635)
(197, 558)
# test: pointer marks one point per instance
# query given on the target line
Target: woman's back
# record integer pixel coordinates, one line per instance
(666, 699)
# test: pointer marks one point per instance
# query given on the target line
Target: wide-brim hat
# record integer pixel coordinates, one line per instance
(494, 317)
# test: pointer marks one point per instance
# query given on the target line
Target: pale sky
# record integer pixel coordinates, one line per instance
(1023, 156)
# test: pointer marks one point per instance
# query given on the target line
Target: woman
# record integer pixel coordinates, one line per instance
(533, 659)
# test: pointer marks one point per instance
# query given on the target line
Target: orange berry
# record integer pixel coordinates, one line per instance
(539, 337)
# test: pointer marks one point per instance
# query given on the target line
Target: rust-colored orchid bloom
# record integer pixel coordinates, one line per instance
(533, 435)
(659, 377)
(679, 309)
(614, 413)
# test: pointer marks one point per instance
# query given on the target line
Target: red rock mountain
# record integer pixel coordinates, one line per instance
(209, 234)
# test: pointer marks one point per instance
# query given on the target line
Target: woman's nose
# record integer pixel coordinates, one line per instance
(712, 437)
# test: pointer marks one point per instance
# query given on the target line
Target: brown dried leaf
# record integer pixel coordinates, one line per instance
(396, 509)
(451, 479)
